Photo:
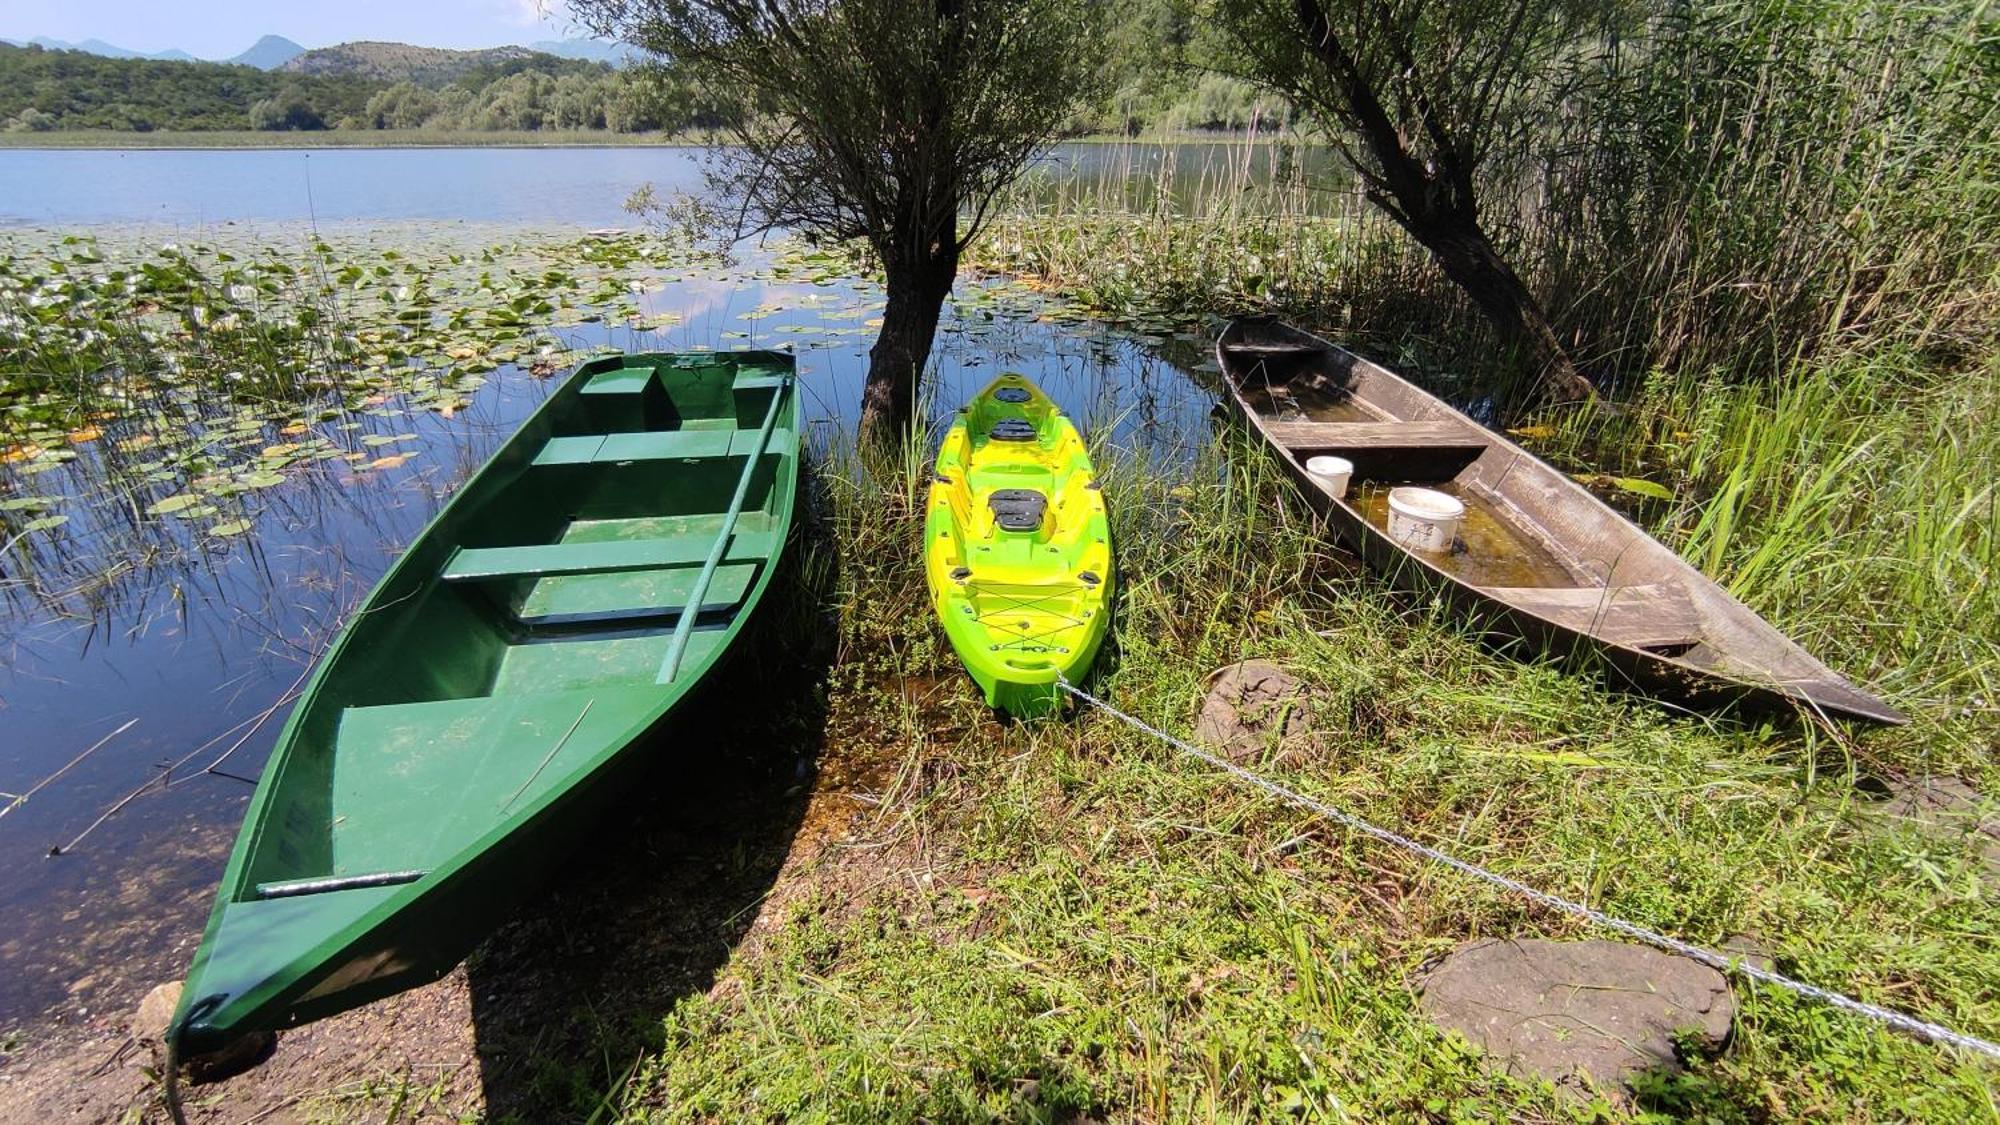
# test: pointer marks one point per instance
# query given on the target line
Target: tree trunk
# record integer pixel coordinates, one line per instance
(1468, 258)
(917, 290)
(1436, 200)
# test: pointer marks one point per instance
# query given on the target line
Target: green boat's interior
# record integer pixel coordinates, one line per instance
(531, 628)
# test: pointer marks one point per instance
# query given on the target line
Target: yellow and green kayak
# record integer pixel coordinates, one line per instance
(1017, 549)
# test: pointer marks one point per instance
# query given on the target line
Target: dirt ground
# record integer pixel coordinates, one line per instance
(693, 868)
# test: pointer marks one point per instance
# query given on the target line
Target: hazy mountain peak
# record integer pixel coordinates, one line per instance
(269, 53)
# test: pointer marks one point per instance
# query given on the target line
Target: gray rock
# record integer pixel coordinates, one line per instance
(1578, 1013)
(1249, 707)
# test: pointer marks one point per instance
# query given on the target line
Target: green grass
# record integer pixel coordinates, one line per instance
(1061, 919)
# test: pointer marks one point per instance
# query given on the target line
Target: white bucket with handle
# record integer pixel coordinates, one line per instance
(1424, 519)
(1332, 473)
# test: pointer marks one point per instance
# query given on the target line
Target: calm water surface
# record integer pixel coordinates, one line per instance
(184, 188)
(123, 618)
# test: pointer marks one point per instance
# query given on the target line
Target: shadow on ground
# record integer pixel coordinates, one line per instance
(568, 997)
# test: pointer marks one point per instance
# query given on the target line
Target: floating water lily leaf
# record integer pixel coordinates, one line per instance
(45, 523)
(233, 527)
(387, 439)
(26, 504)
(263, 478)
(173, 505)
(390, 462)
(85, 435)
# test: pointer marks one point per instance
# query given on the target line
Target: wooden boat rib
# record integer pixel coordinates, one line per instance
(457, 734)
(1538, 558)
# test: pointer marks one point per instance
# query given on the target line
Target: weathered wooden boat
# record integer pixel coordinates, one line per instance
(1538, 558)
(457, 734)
(1017, 547)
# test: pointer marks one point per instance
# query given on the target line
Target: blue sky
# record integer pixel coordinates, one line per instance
(220, 28)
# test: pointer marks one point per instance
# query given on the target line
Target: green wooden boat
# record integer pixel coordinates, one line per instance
(455, 737)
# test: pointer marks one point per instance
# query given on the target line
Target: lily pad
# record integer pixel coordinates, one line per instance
(174, 505)
(233, 527)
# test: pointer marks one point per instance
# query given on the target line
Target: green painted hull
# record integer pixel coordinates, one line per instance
(458, 735)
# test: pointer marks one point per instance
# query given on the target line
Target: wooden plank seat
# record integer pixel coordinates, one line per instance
(1375, 435)
(631, 595)
(1646, 616)
(486, 564)
(654, 445)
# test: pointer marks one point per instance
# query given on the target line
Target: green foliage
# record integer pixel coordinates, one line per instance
(42, 91)
(74, 90)
(1740, 182)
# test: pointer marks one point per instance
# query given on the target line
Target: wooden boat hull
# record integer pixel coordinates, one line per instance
(525, 654)
(1017, 547)
(1542, 563)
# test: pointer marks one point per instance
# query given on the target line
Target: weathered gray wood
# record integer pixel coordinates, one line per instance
(1374, 435)
(1646, 616)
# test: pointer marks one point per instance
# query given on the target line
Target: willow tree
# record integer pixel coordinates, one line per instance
(893, 122)
(1418, 96)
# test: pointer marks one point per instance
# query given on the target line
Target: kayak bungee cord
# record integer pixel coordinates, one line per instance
(1723, 963)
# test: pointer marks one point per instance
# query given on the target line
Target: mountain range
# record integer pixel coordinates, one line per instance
(273, 52)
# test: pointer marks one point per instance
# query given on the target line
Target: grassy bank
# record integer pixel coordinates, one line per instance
(1059, 919)
(347, 138)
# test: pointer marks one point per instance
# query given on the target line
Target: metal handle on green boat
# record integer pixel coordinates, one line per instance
(684, 627)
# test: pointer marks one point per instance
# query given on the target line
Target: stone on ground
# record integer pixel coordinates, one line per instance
(1249, 707)
(149, 1023)
(149, 1027)
(1578, 1013)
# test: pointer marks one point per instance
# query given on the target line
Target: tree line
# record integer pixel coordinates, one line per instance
(43, 91)
(1159, 66)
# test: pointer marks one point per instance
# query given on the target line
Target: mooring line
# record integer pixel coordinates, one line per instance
(1922, 1029)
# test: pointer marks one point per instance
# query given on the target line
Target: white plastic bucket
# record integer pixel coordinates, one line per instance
(1424, 519)
(1332, 472)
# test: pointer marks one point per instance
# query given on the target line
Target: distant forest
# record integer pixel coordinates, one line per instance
(1161, 73)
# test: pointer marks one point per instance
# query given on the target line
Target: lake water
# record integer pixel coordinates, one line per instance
(118, 617)
(191, 188)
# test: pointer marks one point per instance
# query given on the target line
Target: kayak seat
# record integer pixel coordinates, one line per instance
(1012, 429)
(1018, 509)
